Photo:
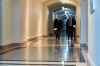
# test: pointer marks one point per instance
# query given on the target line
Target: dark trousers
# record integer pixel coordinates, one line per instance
(74, 33)
(70, 34)
(58, 33)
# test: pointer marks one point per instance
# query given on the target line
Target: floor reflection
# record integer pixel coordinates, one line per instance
(38, 65)
(41, 51)
(45, 50)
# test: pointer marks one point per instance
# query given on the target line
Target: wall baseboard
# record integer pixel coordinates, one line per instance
(90, 61)
(12, 46)
(87, 56)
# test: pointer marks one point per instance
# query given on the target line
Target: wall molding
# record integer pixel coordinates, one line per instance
(12, 46)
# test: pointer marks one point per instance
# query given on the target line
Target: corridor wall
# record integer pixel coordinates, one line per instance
(15, 26)
(35, 18)
(96, 20)
(12, 21)
(0, 21)
(6, 22)
(91, 36)
(84, 22)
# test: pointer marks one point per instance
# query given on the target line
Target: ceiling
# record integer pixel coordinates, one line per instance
(77, 1)
(58, 6)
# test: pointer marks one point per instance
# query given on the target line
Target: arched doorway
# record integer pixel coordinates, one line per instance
(61, 12)
(48, 3)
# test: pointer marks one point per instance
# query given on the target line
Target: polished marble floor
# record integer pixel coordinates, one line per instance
(44, 52)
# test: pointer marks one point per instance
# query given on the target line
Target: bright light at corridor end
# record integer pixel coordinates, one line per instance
(63, 8)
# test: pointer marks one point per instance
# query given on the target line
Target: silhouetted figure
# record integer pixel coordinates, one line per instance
(58, 27)
(69, 29)
(74, 28)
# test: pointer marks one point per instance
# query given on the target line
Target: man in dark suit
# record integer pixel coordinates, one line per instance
(74, 28)
(58, 27)
(71, 29)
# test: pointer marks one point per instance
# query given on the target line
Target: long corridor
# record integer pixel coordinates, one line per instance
(30, 30)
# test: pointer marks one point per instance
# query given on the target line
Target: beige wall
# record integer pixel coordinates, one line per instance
(1, 21)
(18, 10)
(35, 18)
(13, 21)
(6, 22)
(24, 19)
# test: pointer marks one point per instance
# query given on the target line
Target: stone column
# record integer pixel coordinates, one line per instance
(45, 20)
(78, 26)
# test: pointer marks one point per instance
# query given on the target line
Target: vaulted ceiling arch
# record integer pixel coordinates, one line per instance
(70, 2)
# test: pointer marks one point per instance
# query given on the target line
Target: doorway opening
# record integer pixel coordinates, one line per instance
(61, 12)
